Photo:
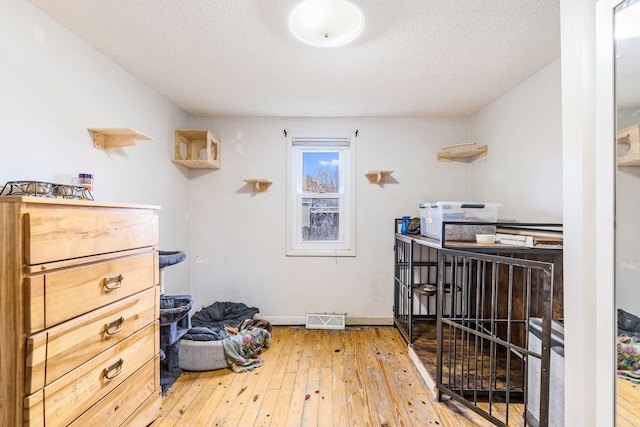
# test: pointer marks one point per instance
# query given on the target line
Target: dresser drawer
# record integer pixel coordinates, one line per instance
(56, 351)
(148, 412)
(124, 400)
(55, 233)
(69, 269)
(71, 395)
(60, 295)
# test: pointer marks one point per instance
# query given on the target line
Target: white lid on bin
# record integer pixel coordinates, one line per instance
(465, 205)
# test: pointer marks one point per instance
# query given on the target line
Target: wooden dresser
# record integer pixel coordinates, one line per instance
(79, 309)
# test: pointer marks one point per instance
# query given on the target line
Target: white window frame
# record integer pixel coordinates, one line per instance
(346, 244)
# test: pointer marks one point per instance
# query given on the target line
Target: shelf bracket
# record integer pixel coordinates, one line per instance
(377, 176)
(259, 185)
(464, 152)
(629, 138)
(109, 138)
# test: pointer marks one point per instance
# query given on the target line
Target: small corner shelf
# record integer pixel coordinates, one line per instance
(466, 152)
(377, 176)
(109, 138)
(629, 138)
(197, 149)
(260, 185)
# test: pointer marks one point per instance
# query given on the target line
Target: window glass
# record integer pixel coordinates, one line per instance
(320, 220)
(321, 201)
(320, 171)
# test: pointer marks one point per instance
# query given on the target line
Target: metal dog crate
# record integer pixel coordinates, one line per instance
(471, 334)
(483, 352)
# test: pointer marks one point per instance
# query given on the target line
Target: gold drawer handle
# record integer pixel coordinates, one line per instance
(118, 324)
(107, 371)
(113, 282)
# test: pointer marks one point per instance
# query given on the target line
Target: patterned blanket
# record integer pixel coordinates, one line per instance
(242, 349)
(628, 351)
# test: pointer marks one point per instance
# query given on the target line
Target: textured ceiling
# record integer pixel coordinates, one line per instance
(415, 58)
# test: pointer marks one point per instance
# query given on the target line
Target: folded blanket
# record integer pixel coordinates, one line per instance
(255, 323)
(628, 355)
(242, 349)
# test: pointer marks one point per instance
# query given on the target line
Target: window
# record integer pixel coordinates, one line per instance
(321, 200)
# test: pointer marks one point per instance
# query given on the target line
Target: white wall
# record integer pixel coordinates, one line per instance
(238, 237)
(54, 87)
(587, 308)
(627, 228)
(523, 168)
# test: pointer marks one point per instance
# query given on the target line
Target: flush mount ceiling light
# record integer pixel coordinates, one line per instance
(327, 23)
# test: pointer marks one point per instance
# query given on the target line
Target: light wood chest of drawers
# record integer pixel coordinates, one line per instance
(79, 309)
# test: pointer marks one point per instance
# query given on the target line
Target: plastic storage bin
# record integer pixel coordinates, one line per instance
(432, 215)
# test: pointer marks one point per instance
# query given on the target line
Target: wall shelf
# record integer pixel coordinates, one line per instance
(260, 185)
(465, 152)
(629, 138)
(109, 138)
(377, 176)
(197, 149)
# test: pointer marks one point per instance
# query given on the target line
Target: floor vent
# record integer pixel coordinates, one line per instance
(325, 321)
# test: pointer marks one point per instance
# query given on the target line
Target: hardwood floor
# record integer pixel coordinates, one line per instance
(334, 378)
(627, 403)
(425, 346)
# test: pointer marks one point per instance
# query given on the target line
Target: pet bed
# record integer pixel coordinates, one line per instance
(202, 347)
(201, 355)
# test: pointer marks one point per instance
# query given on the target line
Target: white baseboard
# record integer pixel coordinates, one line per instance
(285, 320)
(349, 321)
(430, 382)
(369, 321)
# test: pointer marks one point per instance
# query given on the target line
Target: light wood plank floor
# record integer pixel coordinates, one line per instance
(356, 377)
(627, 403)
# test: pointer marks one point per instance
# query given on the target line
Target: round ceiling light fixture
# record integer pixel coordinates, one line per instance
(326, 23)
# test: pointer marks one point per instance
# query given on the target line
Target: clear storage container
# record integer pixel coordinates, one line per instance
(433, 214)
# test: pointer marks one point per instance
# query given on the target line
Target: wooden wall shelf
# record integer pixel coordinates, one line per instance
(109, 138)
(260, 185)
(377, 176)
(465, 152)
(202, 149)
(630, 138)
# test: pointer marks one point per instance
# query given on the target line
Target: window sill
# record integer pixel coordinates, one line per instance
(321, 252)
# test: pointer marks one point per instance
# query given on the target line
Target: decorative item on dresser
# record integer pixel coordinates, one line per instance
(79, 309)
